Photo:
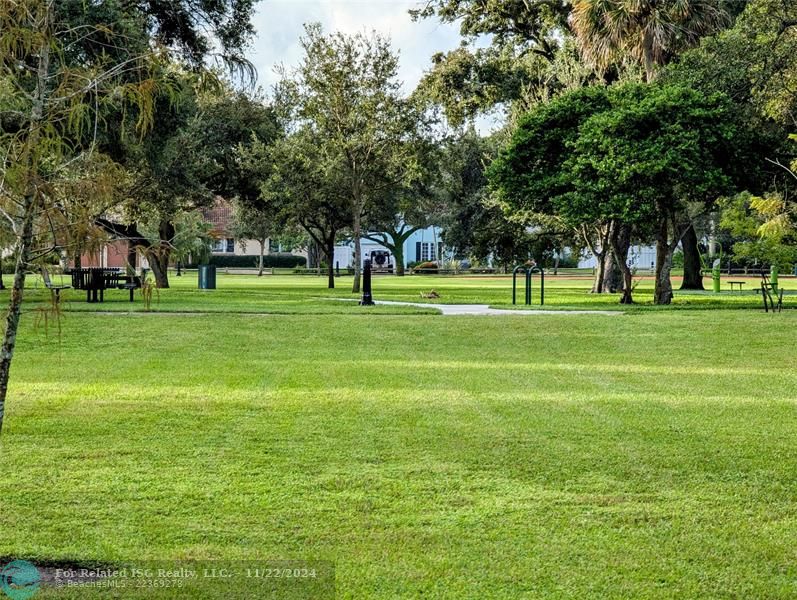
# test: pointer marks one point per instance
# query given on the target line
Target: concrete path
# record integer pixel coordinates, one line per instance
(484, 309)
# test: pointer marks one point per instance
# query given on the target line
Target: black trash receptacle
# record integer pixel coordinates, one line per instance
(207, 277)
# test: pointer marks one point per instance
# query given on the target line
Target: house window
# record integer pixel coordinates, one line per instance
(224, 245)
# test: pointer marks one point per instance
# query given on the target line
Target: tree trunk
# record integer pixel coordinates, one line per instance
(647, 51)
(314, 254)
(330, 252)
(25, 236)
(15, 304)
(398, 254)
(600, 269)
(78, 260)
(159, 263)
(621, 243)
(662, 293)
(693, 267)
(260, 260)
(612, 273)
(158, 256)
(355, 288)
(605, 259)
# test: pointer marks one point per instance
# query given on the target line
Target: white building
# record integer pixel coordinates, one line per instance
(640, 258)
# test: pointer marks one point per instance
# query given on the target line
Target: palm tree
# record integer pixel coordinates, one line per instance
(649, 32)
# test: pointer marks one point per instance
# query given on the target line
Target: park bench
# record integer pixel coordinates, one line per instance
(125, 282)
(54, 289)
(734, 283)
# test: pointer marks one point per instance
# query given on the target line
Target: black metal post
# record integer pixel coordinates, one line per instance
(337, 268)
(528, 287)
(542, 287)
(368, 298)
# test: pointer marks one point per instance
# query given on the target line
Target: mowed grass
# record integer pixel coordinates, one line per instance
(650, 455)
(291, 294)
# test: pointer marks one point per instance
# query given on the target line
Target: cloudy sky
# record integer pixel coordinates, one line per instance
(279, 25)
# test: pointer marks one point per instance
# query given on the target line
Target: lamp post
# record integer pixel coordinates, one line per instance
(367, 299)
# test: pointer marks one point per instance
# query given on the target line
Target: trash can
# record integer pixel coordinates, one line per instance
(716, 276)
(207, 277)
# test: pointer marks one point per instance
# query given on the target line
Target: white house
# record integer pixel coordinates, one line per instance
(640, 258)
(423, 245)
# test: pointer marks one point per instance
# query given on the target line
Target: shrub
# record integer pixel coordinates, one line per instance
(277, 261)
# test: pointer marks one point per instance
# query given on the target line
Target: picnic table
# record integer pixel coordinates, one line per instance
(95, 280)
(739, 283)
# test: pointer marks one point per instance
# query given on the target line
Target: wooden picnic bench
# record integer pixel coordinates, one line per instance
(95, 280)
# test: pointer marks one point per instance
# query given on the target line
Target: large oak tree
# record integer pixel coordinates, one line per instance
(346, 91)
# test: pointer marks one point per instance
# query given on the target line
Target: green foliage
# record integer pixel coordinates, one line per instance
(742, 220)
(768, 30)
(527, 26)
(192, 238)
(195, 31)
(523, 38)
(227, 120)
(253, 221)
(628, 153)
(347, 91)
(299, 185)
(752, 64)
(475, 226)
(468, 82)
(170, 165)
(531, 173)
(635, 155)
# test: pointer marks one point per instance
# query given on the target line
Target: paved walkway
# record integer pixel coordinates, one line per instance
(484, 309)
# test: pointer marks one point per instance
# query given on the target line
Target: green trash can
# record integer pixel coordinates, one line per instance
(207, 277)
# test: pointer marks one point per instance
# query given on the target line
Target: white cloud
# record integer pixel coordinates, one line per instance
(280, 24)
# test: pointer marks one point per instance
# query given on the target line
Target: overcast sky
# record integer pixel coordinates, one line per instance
(279, 25)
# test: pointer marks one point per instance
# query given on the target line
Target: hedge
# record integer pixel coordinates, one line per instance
(270, 261)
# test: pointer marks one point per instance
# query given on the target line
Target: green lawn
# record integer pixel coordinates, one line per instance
(286, 294)
(650, 455)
